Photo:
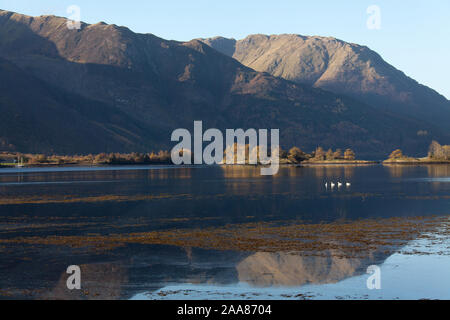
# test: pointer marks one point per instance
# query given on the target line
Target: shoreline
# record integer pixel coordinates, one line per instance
(87, 164)
(350, 162)
(301, 164)
(414, 162)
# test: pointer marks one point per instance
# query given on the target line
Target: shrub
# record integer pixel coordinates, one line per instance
(349, 154)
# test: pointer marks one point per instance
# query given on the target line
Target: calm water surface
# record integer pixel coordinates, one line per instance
(59, 202)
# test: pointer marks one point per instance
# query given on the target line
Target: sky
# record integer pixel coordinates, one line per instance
(412, 35)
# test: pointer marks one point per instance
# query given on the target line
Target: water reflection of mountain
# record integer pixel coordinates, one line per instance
(264, 254)
(151, 268)
(123, 272)
(290, 269)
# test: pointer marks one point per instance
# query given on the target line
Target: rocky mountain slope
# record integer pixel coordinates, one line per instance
(105, 83)
(340, 67)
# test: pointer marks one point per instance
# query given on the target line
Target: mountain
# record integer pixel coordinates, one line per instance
(37, 117)
(340, 67)
(106, 88)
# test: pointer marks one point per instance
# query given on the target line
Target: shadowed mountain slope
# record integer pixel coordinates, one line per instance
(38, 117)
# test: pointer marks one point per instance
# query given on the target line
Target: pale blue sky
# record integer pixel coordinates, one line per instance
(414, 34)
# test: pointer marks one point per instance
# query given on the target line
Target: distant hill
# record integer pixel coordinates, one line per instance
(105, 88)
(340, 67)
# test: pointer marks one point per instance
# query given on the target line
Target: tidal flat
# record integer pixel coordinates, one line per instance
(225, 232)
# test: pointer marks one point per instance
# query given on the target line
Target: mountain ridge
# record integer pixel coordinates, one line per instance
(339, 67)
(159, 85)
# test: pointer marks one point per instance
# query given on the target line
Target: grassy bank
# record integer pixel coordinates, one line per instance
(41, 160)
(338, 162)
(415, 161)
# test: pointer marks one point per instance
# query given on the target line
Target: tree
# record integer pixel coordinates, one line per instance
(337, 154)
(164, 156)
(296, 155)
(112, 158)
(100, 158)
(446, 152)
(137, 157)
(319, 154)
(396, 154)
(41, 158)
(329, 155)
(90, 158)
(436, 151)
(349, 155)
(283, 154)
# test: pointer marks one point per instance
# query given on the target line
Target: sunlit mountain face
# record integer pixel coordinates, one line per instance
(340, 67)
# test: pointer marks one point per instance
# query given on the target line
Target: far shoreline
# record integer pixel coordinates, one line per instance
(414, 162)
(305, 164)
(340, 163)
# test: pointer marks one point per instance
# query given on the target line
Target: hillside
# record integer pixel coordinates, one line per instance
(340, 67)
(106, 83)
(37, 117)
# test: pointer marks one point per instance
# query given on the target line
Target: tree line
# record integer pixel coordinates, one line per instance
(296, 155)
(436, 152)
(293, 155)
(160, 157)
